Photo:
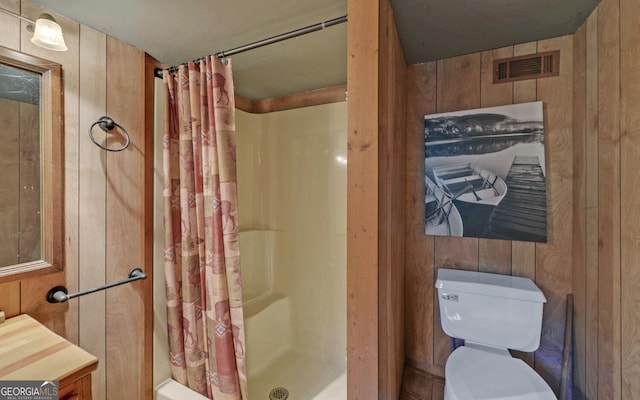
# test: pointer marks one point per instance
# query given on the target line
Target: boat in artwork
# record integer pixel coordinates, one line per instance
(470, 183)
(442, 217)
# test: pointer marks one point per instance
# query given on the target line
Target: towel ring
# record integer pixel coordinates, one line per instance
(107, 124)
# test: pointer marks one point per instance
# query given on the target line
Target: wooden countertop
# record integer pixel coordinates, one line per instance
(30, 351)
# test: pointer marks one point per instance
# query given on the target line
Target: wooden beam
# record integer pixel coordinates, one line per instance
(362, 200)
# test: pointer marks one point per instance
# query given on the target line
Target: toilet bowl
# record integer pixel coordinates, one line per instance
(492, 313)
(477, 374)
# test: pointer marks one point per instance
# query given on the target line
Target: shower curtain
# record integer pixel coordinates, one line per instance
(202, 255)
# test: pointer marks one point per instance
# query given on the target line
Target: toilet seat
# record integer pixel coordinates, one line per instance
(473, 374)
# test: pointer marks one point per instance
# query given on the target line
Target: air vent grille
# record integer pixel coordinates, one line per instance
(533, 66)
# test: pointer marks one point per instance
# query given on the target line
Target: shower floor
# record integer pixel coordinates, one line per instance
(305, 377)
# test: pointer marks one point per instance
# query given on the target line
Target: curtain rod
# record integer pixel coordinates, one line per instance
(157, 72)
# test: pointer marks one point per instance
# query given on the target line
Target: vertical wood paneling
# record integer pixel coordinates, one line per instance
(11, 5)
(463, 83)
(92, 203)
(9, 31)
(579, 205)
(553, 259)
(62, 318)
(592, 148)
(10, 298)
(419, 279)
(629, 196)
(147, 378)
(362, 200)
(125, 236)
(494, 94)
(392, 154)
(609, 374)
(83, 320)
(590, 389)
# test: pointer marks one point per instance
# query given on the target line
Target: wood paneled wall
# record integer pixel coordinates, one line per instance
(465, 82)
(392, 152)
(105, 223)
(592, 135)
(607, 213)
(375, 190)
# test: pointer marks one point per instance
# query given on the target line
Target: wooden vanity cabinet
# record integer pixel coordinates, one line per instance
(30, 351)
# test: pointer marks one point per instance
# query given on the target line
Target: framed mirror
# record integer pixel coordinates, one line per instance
(31, 169)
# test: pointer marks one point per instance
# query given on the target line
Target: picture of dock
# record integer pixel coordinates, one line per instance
(488, 165)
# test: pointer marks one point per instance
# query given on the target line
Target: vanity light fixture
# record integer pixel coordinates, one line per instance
(48, 34)
(46, 31)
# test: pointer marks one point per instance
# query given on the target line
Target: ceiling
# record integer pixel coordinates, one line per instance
(176, 31)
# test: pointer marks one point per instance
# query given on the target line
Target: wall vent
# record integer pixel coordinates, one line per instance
(532, 66)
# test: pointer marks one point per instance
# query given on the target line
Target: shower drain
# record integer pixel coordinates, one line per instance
(279, 393)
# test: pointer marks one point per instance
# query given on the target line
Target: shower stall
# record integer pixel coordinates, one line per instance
(292, 218)
(292, 206)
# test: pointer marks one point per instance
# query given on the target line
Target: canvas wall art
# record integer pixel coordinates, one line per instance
(485, 173)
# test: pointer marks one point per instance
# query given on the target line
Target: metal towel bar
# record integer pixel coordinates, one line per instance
(59, 294)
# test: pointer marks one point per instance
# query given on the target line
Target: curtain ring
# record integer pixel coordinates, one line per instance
(223, 58)
(107, 124)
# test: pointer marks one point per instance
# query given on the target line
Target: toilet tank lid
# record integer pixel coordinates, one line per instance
(513, 287)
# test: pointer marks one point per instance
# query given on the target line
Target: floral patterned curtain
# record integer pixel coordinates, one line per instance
(202, 255)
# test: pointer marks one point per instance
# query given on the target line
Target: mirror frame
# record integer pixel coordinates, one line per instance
(51, 167)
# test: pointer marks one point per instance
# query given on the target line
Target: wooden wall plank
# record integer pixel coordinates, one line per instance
(630, 197)
(609, 374)
(590, 388)
(149, 225)
(585, 253)
(9, 31)
(125, 182)
(419, 268)
(10, 298)
(362, 200)
(92, 203)
(579, 206)
(494, 94)
(458, 83)
(392, 153)
(11, 5)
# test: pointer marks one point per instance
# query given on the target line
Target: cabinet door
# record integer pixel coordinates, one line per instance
(69, 392)
(77, 390)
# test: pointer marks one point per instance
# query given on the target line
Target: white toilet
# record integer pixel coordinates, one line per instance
(492, 313)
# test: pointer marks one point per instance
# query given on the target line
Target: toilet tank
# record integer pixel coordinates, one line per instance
(491, 309)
